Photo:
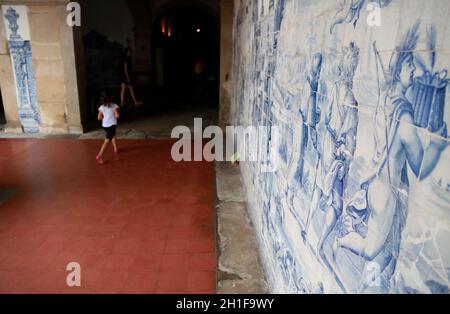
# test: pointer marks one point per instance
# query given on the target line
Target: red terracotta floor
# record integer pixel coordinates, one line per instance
(138, 224)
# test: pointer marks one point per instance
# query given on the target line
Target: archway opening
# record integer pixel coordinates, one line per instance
(186, 54)
(107, 31)
(175, 60)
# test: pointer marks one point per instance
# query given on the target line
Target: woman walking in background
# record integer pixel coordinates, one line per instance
(125, 72)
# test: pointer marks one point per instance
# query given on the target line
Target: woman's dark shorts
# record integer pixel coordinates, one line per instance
(110, 132)
(126, 82)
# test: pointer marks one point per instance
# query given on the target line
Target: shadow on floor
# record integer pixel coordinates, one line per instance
(5, 195)
(161, 112)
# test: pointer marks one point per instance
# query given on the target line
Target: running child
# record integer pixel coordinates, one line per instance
(108, 113)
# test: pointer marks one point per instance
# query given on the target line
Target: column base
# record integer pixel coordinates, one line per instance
(13, 128)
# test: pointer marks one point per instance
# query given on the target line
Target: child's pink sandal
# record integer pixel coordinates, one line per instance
(99, 160)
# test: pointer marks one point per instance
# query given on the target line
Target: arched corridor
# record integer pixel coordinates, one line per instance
(169, 39)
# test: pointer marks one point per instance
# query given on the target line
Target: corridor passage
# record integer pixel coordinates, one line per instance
(141, 223)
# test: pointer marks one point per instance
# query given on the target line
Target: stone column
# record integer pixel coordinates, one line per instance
(54, 60)
(226, 52)
(142, 39)
(56, 76)
(72, 52)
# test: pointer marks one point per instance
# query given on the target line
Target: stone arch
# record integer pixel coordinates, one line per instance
(112, 18)
(211, 8)
(166, 60)
(141, 12)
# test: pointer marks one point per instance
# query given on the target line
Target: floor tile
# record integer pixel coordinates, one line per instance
(139, 224)
(198, 281)
(171, 281)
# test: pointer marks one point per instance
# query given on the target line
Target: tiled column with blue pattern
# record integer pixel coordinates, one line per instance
(19, 44)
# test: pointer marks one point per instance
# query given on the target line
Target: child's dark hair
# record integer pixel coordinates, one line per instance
(105, 98)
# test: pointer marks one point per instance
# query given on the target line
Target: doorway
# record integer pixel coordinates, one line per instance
(186, 55)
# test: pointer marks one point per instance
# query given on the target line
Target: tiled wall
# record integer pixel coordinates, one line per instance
(359, 200)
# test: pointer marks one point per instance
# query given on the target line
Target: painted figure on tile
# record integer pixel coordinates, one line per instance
(279, 14)
(310, 115)
(12, 16)
(425, 248)
(338, 147)
(292, 280)
(377, 204)
(350, 10)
